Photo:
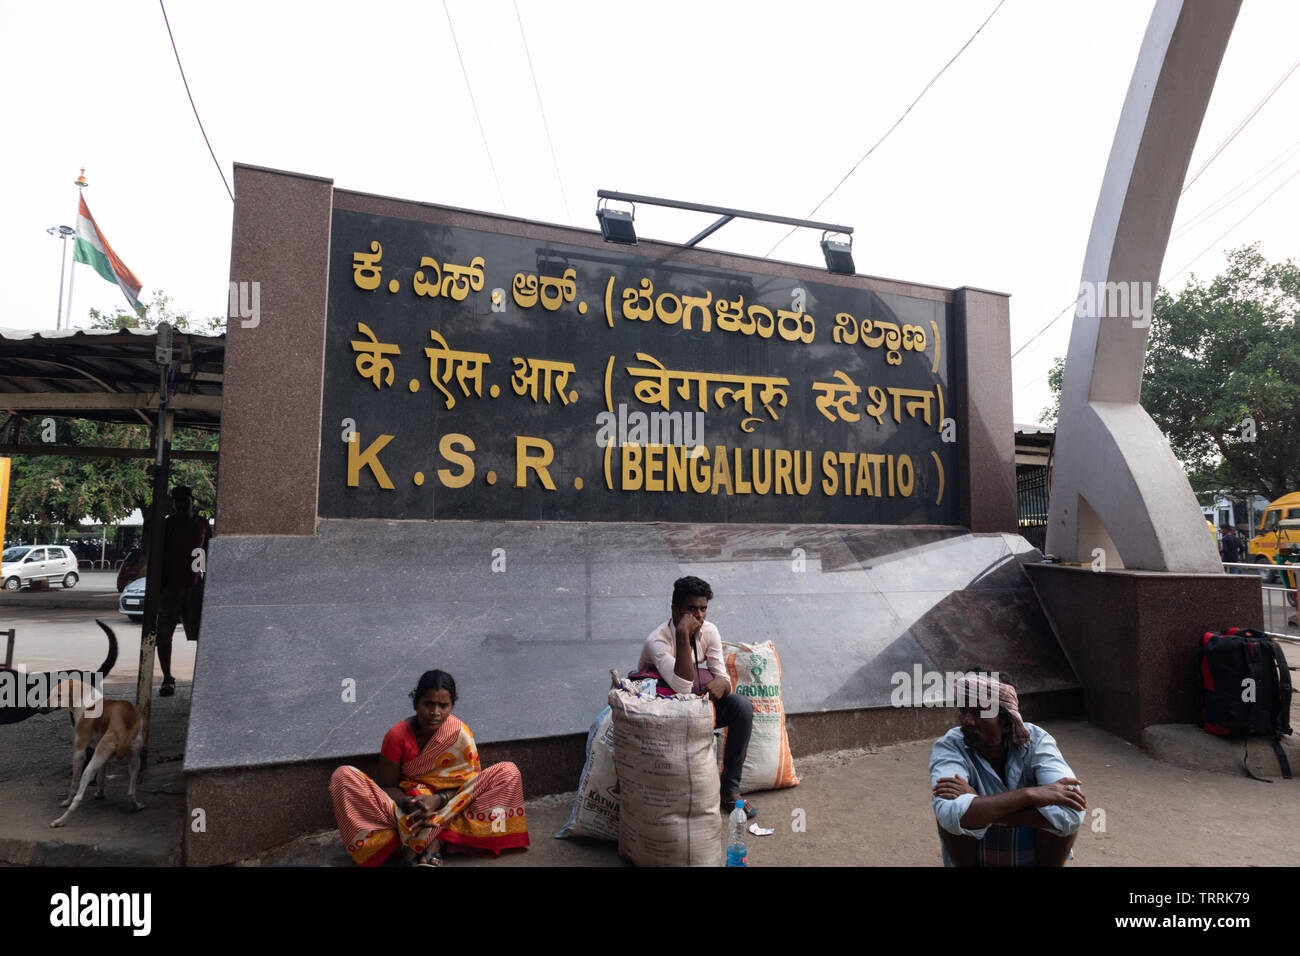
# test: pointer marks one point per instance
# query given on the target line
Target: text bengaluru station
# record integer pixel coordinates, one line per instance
(472, 374)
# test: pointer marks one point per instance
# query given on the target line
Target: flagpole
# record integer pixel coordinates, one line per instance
(80, 184)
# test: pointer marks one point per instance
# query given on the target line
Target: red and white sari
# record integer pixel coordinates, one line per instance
(485, 813)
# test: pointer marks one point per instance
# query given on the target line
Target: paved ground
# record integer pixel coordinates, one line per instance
(857, 807)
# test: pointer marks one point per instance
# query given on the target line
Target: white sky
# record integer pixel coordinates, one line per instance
(991, 181)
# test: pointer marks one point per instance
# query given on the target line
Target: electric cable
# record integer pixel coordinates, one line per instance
(900, 119)
(542, 109)
(482, 132)
(192, 106)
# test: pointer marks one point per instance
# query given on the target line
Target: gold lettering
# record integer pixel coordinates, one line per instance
(677, 455)
(524, 290)
(464, 364)
(452, 447)
(783, 463)
(835, 399)
(690, 303)
(742, 486)
(654, 466)
(761, 476)
(878, 404)
(803, 472)
(801, 329)
(557, 291)
(630, 458)
(534, 454)
(528, 371)
(906, 476)
(864, 478)
(846, 329)
(631, 297)
(831, 482)
(371, 363)
(668, 316)
(366, 270)
(369, 458)
(458, 280)
(730, 315)
(700, 471)
(420, 285)
(756, 315)
(721, 470)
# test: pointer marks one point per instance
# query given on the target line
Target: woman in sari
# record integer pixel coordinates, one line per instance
(430, 791)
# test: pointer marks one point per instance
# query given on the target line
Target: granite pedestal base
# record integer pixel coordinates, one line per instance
(1134, 637)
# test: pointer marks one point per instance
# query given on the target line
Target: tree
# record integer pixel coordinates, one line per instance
(49, 489)
(1222, 378)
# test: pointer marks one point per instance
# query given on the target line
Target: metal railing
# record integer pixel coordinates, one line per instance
(1279, 599)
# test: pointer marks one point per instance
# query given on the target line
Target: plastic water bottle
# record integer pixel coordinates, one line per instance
(738, 824)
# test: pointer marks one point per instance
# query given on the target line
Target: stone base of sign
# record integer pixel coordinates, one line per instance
(1134, 637)
(311, 645)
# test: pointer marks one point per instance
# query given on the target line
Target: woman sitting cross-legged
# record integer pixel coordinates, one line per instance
(430, 791)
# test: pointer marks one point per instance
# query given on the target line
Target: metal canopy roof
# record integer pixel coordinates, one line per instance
(109, 375)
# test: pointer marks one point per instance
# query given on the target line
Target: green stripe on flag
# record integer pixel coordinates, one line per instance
(85, 253)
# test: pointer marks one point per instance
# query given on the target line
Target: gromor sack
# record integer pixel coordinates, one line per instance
(755, 672)
(595, 808)
(669, 794)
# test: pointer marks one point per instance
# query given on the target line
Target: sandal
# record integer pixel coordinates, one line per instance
(168, 687)
(729, 805)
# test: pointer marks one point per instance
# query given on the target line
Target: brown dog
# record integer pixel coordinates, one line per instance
(112, 727)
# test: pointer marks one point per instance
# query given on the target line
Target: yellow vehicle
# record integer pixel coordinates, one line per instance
(1269, 537)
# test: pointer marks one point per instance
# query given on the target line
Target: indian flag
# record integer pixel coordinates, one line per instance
(93, 249)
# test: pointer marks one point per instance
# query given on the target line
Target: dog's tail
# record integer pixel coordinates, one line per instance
(111, 659)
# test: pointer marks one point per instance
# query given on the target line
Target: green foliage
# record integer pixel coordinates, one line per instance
(158, 309)
(1222, 376)
(1053, 412)
(50, 489)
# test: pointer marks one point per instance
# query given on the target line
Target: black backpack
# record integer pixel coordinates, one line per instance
(1247, 688)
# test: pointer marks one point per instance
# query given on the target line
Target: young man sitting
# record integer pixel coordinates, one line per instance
(685, 653)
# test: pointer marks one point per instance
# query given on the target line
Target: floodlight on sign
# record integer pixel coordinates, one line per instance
(616, 225)
(839, 256)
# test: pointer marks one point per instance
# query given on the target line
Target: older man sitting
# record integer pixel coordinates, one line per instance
(1003, 794)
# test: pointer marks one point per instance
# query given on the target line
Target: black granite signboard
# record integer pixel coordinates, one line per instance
(474, 375)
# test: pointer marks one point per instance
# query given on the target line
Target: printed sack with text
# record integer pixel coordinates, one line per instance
(755, 672)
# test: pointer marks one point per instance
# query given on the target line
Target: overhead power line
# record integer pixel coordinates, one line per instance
(482, 132)
(220, 172)
(1232, 227)
(1240, 126)
(1174, 275)
(1218, 205)
(900, 119)
(541, 109)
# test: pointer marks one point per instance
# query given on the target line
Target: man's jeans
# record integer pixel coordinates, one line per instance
(736, 713)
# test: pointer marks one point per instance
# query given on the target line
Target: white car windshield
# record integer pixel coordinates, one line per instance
(14, 554)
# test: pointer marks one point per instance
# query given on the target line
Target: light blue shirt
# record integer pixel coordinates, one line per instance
(1037, 763)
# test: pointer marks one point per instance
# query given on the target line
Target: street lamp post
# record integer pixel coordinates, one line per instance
(63, 231)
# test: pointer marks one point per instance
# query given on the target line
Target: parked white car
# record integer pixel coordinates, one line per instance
(131, 603)
(21, 566)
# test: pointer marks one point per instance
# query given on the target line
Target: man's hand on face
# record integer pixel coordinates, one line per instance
(718, 688)
(950, 788)
(688, 625)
